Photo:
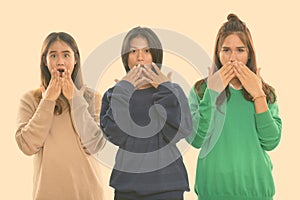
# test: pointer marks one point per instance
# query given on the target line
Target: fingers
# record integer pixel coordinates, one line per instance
(55, 79)
(148, 72)
(226, 69)
(228, 77)
(227, 73)
(142, 81)
(134, 73)
(243, 72)
(156, 68)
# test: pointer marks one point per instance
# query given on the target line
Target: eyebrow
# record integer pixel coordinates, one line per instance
(146, 47)
(66, 51)
(240, 47)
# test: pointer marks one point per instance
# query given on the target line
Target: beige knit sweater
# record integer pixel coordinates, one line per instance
(61, 145)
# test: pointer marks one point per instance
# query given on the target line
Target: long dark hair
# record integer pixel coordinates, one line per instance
(46, 75)
(153, 43)
(235, 26)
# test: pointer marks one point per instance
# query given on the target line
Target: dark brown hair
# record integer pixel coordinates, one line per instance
(235, 26)
(153, 43)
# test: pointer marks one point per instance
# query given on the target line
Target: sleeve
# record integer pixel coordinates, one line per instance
(178, 121)
(85, 118)
(33, 124)
(201, 110)
(121, 93)
(269, 126)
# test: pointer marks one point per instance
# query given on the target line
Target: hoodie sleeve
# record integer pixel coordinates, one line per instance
(110, 127)
(85, 118)
(269, 126)
(33, 123)
(178, 123)
(201, 109)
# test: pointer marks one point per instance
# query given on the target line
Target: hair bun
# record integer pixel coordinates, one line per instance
(233, 17)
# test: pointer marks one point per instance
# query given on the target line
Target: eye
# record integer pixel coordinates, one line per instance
(241, 50)
(132, 51)
(147, 50)
(66, 55)
(52, 56)
(225, 50)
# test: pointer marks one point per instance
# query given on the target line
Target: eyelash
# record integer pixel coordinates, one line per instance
(134, 51)
(65, 55)
(239, 50)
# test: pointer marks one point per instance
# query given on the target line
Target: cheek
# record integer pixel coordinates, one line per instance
(131, 61)
(149, 59)
(50, 64)
(243, 58)
(70, 63)
(223, 58)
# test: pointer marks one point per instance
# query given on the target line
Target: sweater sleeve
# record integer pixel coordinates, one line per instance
(33, 123)
(268, 126)
(178, 120)
(85, 118)
(108, 124)
(201, 109)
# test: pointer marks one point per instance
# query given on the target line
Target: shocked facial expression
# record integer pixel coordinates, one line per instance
(139, 52)
(60, 57)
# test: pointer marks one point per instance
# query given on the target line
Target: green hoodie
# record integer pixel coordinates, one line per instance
(233, 163)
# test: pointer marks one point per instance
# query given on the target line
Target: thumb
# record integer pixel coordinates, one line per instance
(43, 90)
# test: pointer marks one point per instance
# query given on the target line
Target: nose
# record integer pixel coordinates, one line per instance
(140, 56)
(232, 57)
(60, 61)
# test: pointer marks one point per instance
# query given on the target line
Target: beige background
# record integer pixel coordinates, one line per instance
(25, 24)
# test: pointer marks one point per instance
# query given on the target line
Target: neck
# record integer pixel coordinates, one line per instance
(235, 82)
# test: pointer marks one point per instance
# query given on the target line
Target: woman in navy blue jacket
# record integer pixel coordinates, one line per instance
(145, 115)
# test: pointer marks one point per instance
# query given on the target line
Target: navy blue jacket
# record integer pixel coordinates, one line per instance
(146, 125)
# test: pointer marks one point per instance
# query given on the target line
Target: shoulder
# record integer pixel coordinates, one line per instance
(89, 92)
(30, 99)
(109, 92)
(31, 95)
(91, 95)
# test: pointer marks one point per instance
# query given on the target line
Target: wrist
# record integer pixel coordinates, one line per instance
(49, 98)
(259, 96)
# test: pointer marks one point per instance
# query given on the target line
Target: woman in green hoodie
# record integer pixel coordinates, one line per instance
(235, 121)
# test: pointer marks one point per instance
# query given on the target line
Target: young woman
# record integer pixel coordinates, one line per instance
(145, 115)
(235, 121)
(58, 124)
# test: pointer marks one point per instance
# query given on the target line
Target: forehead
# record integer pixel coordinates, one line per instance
(139, 42)
(59, 45)
(233, 40)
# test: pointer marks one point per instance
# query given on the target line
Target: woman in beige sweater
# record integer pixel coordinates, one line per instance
(58, 124)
